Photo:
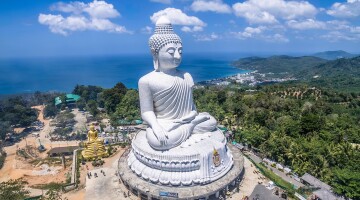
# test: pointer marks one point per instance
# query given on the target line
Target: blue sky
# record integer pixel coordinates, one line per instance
(81, 28)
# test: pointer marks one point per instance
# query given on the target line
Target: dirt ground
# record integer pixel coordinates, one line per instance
(17, 167)
(251, 178)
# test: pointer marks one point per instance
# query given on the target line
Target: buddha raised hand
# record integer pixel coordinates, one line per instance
(166, 98)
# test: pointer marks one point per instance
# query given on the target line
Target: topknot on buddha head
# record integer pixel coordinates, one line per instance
(164, 34)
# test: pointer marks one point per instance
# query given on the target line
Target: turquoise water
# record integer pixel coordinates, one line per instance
(62, 74)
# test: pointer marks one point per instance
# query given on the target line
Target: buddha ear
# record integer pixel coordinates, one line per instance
(155, 59)
(156, 63)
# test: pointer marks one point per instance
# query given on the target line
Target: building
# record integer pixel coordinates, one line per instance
(260, 192)
(325, 195)
(323, 191)
(310, 180)
(59, 151)
(70, 99)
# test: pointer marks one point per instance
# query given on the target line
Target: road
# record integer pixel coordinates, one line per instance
(287, 178)
(44, 137)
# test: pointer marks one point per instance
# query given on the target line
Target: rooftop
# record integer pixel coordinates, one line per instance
(69, 98)
(327, 195)
(58, 150)
(315, 182)
(262, 193)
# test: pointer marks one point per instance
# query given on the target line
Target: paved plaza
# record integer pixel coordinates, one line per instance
(104, 187)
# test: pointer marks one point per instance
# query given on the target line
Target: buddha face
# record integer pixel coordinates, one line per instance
(169, 56)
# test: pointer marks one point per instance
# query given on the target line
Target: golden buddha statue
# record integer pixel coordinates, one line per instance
(94, 147)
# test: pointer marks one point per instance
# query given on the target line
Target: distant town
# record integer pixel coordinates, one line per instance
(249, 79)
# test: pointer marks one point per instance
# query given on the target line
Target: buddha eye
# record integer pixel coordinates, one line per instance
(171, 50)
(180, 51)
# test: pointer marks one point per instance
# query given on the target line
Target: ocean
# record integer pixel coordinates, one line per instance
(28, 75)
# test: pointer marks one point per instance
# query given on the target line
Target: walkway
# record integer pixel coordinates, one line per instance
(287, 178)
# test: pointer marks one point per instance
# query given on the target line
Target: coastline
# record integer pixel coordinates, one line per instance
(30, 93)
(24, 77)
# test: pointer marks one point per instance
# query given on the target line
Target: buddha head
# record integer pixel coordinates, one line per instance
(92, 127)
(165, 46)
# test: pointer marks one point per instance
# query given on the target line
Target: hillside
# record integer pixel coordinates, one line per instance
(278, 64)
(342, 74)
(333, 55)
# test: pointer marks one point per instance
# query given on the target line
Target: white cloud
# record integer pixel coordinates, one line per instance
(72, 7)
(277, 38)
(101, 10)
(335, 36)
(162, 1)
(338, 25)
(177, 17)
(194, 29)
(306, 24)
(213, 5)
(250, 32)
(97, 18)
(197, 28)
(207, 38)
(147, 30)
(265, 11)
(332, 25)
(341, 30)
(186, 29)
(355, 29)
(96, 9)
(260, 32)
(351, 8)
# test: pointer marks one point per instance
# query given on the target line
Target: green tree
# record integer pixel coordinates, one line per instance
(113, 96)
(5, 127)
(346, 182)
(13, 189)
(92, 107)
(129, 107)
(50, 110)
(81, 104)
(53, 194)
(311, 123)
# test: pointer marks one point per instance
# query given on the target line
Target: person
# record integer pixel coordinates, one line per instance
(166, 98)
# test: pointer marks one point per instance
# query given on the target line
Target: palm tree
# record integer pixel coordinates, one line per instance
(294, 154)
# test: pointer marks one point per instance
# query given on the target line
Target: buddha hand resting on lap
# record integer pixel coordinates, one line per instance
(166, 97)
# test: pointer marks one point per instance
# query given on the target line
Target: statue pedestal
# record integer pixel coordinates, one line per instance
(94, 150)
(201, 159)
(149, 190)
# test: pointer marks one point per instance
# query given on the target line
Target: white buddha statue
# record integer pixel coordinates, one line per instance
(180, 146)
(166, 98)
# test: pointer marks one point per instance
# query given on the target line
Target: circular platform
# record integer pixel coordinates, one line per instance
(191, 163)
(147, 190)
